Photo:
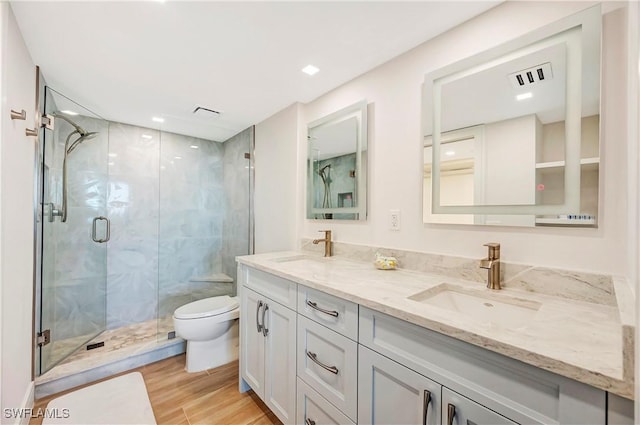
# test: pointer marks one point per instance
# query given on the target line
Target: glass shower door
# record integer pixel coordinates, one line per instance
(75, 228)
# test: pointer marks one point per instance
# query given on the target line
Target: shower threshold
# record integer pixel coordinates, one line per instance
(124, 348)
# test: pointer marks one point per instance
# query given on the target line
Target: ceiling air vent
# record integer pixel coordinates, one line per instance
(533, 75)
(202, 111)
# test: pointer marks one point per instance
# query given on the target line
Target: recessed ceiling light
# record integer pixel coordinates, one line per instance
(113, 155)
(450, 153)
(157, 119)
(194, 147)
(68, 112)
(310, 70)
(524, 96)
(111, 163)
(177, 157)
(147, 136)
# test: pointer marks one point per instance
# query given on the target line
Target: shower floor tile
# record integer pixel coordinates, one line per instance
(119, 344)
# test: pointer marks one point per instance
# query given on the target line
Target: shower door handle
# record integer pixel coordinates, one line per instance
(93, 229)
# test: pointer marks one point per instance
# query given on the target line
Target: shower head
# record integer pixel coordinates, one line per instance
(82, 138)
(79, 129)
(321, 171)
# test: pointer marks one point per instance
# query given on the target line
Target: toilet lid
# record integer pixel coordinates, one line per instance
(206, 307)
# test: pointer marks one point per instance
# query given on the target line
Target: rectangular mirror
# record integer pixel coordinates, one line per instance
(337, 165)
(512, 134)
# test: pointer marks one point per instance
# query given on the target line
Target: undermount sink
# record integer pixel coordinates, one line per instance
(484, 307)
(298, 257)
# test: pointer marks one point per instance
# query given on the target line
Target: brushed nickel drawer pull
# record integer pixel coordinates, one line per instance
(322, 310)
(451, 413)
(425, 406)
(309, 422)
(265, 330)
(313, 357)
(258, 307)
(31, 132)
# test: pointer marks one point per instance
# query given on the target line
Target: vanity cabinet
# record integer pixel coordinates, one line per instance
(315, 358)
(268, 341)
(479, 381)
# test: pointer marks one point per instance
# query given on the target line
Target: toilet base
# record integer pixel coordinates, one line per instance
(203, 355)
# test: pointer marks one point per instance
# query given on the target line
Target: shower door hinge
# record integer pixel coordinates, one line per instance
(43, 338)
(48, 121)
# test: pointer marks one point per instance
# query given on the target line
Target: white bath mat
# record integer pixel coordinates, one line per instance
(121, 400)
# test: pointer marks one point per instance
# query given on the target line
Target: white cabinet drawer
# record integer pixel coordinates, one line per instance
(327, 361)
(278, 289)
(313, 409)
(458, 410)
(333, 312)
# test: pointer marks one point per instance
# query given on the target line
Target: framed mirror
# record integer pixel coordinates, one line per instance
(337, 165)
(511, 135)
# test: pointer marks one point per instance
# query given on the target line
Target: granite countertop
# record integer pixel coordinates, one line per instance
(577, 339)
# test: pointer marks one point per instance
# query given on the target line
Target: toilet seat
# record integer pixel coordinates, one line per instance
(207, 307)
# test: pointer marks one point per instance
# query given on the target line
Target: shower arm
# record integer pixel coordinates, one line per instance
(62, 212)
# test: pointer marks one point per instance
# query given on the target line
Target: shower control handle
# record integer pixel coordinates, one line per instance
(94, 226)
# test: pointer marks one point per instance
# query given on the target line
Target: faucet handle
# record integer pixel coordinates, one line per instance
(494, 250)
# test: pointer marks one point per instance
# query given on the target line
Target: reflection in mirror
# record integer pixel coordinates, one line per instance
(336, 166)
(512, 134)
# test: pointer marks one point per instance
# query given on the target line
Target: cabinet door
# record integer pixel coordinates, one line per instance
(389, 393)
(459, 410)
(280, 361)
(252, 340)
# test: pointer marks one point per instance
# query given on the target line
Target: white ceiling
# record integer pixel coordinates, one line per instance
(129, 61)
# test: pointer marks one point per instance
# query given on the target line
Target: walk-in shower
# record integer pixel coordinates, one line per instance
(177, 210)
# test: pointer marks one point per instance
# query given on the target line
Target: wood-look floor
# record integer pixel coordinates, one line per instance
(181, 398)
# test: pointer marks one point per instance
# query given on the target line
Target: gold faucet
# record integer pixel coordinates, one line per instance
(327, 242)
(492, 264)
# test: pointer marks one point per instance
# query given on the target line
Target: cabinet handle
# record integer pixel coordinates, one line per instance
(265, 331)
(451, 413)
(313, 357)
(322, 310)
(425, 406)
(258, 307)
(309, 422)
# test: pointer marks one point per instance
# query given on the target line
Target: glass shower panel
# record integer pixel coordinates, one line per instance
(74, 228)
(204, 219)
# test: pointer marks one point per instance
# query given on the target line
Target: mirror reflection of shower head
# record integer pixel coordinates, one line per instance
(321, 171)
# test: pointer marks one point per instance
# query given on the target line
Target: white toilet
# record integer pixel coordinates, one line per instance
(210, 327)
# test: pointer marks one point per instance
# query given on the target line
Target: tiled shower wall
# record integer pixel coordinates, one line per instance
(168, 197)
(237, 188)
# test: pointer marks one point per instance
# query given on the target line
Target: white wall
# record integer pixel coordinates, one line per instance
(394, 93)
(276, 194)
(16, 218)
(633, 102)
